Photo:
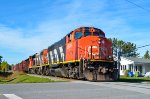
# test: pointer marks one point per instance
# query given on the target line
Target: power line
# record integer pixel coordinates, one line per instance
(143, 46)
(138, 5)
(143, 9)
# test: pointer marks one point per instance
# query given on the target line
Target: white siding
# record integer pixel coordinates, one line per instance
(125, 63)
(145, 69)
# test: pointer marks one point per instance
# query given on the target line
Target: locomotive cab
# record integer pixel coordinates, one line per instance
(88, 43)
(83, 32)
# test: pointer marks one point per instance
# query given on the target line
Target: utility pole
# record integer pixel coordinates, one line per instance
(1, 59)
(118, 61)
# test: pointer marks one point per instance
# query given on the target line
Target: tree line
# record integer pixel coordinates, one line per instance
(128, 49)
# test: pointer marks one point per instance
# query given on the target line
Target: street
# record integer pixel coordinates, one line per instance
(76, 90)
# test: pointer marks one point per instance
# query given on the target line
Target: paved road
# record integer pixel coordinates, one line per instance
(76, 90)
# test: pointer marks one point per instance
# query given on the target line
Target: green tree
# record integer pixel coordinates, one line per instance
(1, 59)
(128, 49)
(146, 55)
(4, 66)
(114, 45)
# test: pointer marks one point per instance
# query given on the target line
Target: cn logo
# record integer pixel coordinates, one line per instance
(94, 50)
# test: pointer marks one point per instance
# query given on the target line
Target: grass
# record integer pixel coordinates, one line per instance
(20, 77)
(134, 79)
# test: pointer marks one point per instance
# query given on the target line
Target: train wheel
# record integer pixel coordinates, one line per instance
(94, 75)
(29, 71)
(47, 72)
(44, 71)
(39, 71)
(77, 76)
(88, 75)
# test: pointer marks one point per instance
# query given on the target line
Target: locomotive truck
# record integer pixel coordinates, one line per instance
(84, 53)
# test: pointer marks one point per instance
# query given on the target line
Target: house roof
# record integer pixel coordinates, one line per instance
(138, 60)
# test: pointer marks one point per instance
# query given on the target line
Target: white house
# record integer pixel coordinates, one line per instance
(134, 64)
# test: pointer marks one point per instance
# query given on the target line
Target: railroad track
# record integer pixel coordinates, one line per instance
(54, 78)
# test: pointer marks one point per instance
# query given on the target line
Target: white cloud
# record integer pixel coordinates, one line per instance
(13, 39)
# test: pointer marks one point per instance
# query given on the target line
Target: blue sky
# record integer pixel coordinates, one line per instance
(28, 26)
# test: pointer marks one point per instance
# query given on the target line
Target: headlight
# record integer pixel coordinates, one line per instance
(109, 57)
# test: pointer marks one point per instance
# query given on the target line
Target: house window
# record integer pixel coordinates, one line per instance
(136, 68)
(125, 67)
(129, 67)
(140, 69)
(121, 67)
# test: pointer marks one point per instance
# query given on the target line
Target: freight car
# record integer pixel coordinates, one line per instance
(84, 53)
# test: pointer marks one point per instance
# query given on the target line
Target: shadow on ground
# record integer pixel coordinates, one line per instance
(5, 74)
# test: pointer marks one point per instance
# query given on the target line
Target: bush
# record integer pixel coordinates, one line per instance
(126, 73)
(137, 74)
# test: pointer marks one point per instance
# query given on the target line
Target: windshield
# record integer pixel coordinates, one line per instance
(98, 34)
(87, 33)
(78, 35)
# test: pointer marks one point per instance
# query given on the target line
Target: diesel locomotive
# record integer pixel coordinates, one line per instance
(84, 53)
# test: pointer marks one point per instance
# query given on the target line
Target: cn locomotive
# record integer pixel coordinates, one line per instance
(84, 53)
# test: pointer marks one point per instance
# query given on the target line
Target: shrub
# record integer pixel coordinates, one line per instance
(136, 73)
(126, 73)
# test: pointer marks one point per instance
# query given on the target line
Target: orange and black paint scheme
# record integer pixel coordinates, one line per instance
(84, 53)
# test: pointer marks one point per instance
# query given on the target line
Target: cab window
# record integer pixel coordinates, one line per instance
(86, 28)
(69, 37)
(87, 33)
(98, 34)
(78, 35)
